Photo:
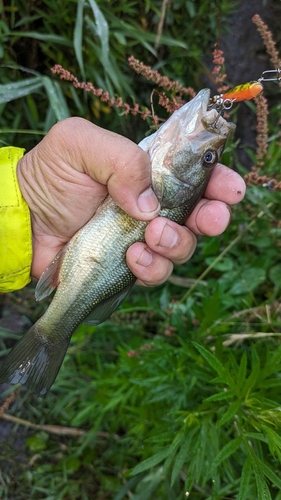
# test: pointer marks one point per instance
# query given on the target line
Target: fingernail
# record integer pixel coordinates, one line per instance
(147, 201)
(145, 258)
(169, 237)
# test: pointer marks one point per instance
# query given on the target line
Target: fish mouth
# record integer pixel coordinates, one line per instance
(191, 114)
(211, 119)
(204, 95)
(201, 102)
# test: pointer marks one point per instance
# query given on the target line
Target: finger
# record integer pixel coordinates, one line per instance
(112, 160)
(225, 185)
(170, 240)
(150, 268)
(209, 217)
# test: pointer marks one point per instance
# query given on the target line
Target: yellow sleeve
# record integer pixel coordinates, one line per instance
(15, 225)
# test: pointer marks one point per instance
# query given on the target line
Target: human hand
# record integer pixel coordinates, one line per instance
(167, 243)
(67, 175)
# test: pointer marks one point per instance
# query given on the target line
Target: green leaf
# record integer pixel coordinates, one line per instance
(45, 37)
(242, 372)
(78, 36)
(226, 452)
(37, 442)
(215, 363)
(151, 462)
(220, 396)
(274, 440)
(197, 467)
(261, 469)
(211, 359)
(71, 464)
(263, 491)
(273, 363)
(229, 414)
(180, 436)
(148, 485)
(270, 474)
(225, 264)
(85, 413)
(32, 108)
(102, 30)
(127, 487)
(190, 8)
(56, 98)
(274, 274)
(249, 280)
(245, 480)
(180, 458)
(259, 436)
(15, 90)
(251, 380)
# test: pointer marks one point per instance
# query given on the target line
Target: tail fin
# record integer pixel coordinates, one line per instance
(34, 362)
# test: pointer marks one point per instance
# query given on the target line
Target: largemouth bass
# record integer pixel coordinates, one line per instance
(91, 270)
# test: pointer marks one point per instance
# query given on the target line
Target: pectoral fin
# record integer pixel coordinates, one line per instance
(106, 307)
(49, 279)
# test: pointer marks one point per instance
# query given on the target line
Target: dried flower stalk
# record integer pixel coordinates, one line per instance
(262, 112)
(170, 103)
(161, 81)
(5, 406)
(268, 41)
(262, 129)
(254, 178)
(104, 96)
(218, 70)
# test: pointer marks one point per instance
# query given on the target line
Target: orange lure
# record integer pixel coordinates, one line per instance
(244, 92)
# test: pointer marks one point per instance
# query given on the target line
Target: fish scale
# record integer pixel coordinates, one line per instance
(91, 273)
(89, 263)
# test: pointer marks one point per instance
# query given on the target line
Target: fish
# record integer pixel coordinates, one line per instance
(90, 272)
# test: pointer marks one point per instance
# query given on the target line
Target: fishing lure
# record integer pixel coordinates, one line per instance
(245, 91)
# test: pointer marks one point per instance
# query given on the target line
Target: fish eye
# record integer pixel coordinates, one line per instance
(210, 157)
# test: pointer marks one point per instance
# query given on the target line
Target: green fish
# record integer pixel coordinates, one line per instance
(91, 270)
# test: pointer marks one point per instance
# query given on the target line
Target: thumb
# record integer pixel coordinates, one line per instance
(113, 161)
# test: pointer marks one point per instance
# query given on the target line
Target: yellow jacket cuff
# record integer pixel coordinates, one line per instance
(15, 225)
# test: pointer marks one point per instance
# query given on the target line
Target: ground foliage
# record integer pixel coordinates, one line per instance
(178, 394)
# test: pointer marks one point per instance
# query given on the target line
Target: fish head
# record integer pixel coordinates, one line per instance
(185, 150)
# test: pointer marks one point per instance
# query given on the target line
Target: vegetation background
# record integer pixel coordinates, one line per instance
(178, 395)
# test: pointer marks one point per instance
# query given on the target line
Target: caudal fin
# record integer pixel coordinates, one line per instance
(34, 362)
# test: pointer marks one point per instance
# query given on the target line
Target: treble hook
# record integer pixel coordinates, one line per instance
(276, 78)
